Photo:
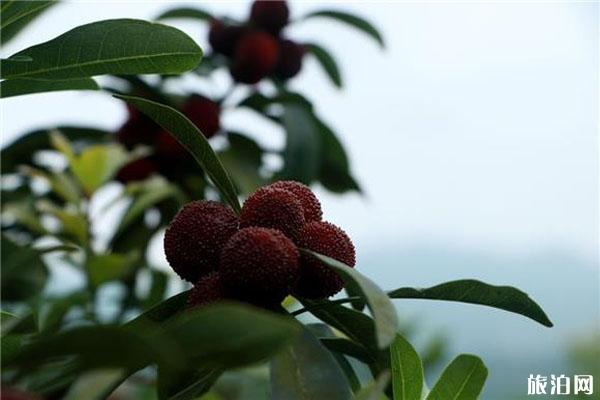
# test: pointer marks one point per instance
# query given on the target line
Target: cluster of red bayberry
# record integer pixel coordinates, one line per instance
(167, 152)
(257, 48)
(255, 258)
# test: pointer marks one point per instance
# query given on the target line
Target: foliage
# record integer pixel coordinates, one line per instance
(65, 346)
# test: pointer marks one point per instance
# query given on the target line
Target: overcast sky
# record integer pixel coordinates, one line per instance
(476, 127)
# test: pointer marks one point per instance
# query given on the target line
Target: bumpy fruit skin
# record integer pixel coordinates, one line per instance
(204, 113)
(136, 170)
(195, 237)
(290, 59)
(273, 208)
(138, 129)
(308, 200)
(317, 280)
(223, 38)
(259, 265)
(255, 57)
(206, 291)
(270, 15)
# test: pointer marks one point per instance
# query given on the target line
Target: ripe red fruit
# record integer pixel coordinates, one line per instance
(259, 265)
(273, 208)
(195, 236)
(204, 113)
(206, 291)
(271, 15)
(167, 146)
(223, 38)
(255, 57)
(138, 129)
(136, 170)
(310, 204)
(290, 59)
(317, 280)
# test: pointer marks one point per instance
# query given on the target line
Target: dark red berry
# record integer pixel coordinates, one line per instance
(223, 38)
(273, 208)
(195, 236)
(317, 280)
(270, 15)
(308, 200)
(204, 113)
(255, 57)
(290, 59)
(259, 265)
(136, 170)
(138, 129)
(167, 147)
(206, 291)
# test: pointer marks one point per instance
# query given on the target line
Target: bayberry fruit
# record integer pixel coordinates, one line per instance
(310, 204)
(195, 237)
(255, 57)
(317, 280)
(271, 15)
(259, 265)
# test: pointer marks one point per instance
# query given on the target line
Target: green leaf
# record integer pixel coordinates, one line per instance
(193, 140)
(475, 292)
(351, 20)
(243, 159)
(160, 312)
(153, 192)
(97, 164)
(96, 385)
(21, 150)
(463, 379)
(107, 267)
(74, 224)
(382, 309)
(118, 46)
(349, 348)
(52, 312)
(376, 389)
(20, 87)
(187, 386)
(23, 274)
(407, 370)
(306, 370)
(301, 154)
(16, 15)
(186, 12)
(10, 346)
(213, 336)
(327, 62)
(103, 346)
(356, 325)
(334, 171)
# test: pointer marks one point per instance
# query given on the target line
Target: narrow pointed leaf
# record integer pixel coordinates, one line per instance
(193, 140)
(20, 87)
(186, 12)
(16, 15)
(327, 62)
(407, 370)
(305, 371)
(118, 46)
(351, 20)
(382, 309)
(463, 379)
(476, 292)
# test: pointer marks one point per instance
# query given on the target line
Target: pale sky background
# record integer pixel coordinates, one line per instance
(476, 130)
(476, 127)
